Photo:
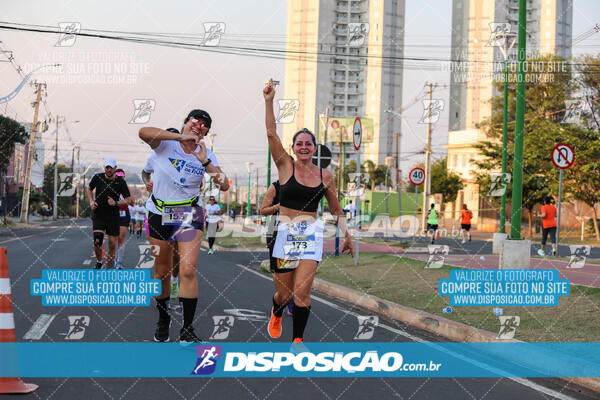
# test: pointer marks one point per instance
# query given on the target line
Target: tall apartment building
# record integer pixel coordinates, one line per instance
(327, 69)
(549, 31)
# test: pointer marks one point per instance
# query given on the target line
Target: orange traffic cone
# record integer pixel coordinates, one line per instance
(7, 328)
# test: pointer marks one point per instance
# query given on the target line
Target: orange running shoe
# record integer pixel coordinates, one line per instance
(274, 328)
(298, 346)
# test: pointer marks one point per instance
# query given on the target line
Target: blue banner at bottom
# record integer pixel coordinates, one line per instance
(270, 360)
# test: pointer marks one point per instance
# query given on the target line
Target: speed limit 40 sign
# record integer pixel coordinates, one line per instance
(417, 176)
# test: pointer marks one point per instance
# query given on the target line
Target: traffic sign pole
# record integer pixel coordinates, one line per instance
(560, 183)
(417, 177)
(563, 157)
(416, 205)
(357, 137)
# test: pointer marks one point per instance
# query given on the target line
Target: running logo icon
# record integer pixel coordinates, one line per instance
(287, 110)
(508, 326)
(498, 183)
(68, 33)
(435, 108)
(77, 326)
(147, 254)
(178, 164)
(207, 359)
(366, 326)
(67, 184)
(244, 314)
(578, 256)
(498, 33)
(357, 33)
(223, 325)
(142, 109)
(436, 255)
(213, 32)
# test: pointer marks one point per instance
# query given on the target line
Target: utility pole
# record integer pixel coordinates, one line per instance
(256, 191)
(324, 144)
(249, 166)
(427, 159)
(398, 183)
(507, 47)
(55, 203)
(77, 187)
(25, 199)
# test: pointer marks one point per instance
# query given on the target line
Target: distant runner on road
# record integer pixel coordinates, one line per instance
(105, 209)
(124, 221)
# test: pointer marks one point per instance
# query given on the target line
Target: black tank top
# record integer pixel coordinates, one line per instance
(299, 197)
(276, 198)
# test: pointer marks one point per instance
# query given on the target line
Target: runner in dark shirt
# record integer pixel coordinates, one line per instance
(105, 209)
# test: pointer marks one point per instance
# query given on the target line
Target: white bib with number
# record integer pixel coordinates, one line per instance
(181, 216)
(299, 241)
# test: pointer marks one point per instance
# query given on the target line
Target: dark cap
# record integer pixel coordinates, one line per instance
(173, 130)
(200, 114)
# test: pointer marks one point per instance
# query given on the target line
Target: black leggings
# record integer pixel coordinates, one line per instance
(211, 232)
(552, 232)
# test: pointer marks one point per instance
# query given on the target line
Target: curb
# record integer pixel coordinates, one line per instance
(452, 330)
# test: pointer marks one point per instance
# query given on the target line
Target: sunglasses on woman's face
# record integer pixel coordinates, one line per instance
(201, 125)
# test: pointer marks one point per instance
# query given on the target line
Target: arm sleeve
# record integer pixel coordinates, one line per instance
(94, 182)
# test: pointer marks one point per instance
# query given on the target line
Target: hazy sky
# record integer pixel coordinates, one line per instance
(107, 75)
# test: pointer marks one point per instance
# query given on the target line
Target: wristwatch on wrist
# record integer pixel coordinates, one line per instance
(206, 163)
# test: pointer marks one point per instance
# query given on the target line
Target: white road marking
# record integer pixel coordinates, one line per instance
(17, 238)
(522, 381)
(39, 327)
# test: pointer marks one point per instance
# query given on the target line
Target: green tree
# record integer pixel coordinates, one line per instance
(542, 131)
(584, 182)
(11, 133)
(64, 203)
(442, 180)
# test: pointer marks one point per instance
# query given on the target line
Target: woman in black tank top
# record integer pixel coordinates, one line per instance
(302, 185)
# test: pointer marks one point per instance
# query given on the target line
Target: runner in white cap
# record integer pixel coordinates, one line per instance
(105, 215)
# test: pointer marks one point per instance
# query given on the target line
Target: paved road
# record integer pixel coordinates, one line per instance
(226, 281)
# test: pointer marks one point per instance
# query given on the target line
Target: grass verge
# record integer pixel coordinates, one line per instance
(230, 242)
(407, 282)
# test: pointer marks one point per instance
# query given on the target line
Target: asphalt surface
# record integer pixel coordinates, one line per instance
(227, 281)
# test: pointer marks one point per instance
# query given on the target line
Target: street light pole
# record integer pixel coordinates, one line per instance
(504, 130)
(249, 166)
(517, 192)
(55, 200)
